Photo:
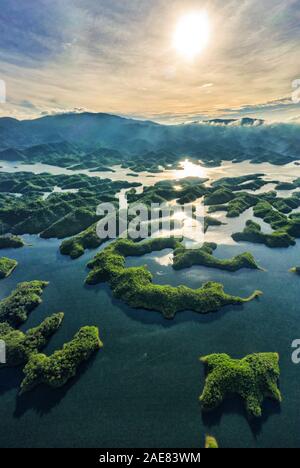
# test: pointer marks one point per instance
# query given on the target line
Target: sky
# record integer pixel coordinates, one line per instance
(118, 56)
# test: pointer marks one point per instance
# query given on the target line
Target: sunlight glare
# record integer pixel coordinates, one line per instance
(189, 169)
(192, 34)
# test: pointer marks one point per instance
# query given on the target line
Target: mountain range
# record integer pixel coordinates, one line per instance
(87, 133)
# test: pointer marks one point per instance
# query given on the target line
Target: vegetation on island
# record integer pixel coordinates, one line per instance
(245, 182)
(11, 242)
(76, 246)
(211, 442)
(211, 221)
(184, 258)
(56, 206)
(15, 308)
(135, 287)
(253, 378)
(56, 370)
(229, 195)
(21, 345)
(7, 266)
(185, 191)
(253, 233)
(220, 196)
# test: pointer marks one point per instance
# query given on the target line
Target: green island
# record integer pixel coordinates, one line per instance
(253, 378)
(62, 365)
(253, 233)
(54, 206)
(211, 221)
(135, 287)
(184, 258)
(246, 182)
(211, 442)
(15, 308)
(87, 239)
(295, 270)
(11, 242)
(185, 191)
(99, 158)
(20, 346)
(233, 199)
(76, 246)
(7, 266)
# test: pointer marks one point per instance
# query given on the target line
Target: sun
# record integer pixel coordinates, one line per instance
(192, 34)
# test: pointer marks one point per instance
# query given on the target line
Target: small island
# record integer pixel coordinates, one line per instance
(11, 242)
(15, 308)
(253, 233)
(62, 365)
(211, 442)
(7, 266)
(211, 221)
(184, 258)
(253, 378)
(20, 346)
(75, 246)
(135, 286)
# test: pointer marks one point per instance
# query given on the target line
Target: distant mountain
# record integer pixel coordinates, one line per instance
(97, 137)
(11, 154)
(58, 148)
(87, 130)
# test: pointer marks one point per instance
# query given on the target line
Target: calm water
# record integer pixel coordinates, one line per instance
(142, 389)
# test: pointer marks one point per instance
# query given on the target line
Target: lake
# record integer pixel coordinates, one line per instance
(142, 388)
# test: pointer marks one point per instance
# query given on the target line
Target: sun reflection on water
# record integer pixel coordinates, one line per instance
(189, 169)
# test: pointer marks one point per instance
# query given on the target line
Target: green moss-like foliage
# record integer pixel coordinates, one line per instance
(135, 286)
(185, 191)
(253, 233)
(231, 197)
(61, 214)
(15, 308)
(64, 154)
(253, 378)
(63, 364)
(20, 346)
(219, 197)
(286, 205)
(247, 182)
(76, 246)
(71, 224)
(211, 442)
(285, 186)
(7, 266)
(210, 221)
(241, 203)
(184, 258)
(11, 242)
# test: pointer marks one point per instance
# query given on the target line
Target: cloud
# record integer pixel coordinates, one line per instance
(74, 110)
(117, 57)
(206, 85)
